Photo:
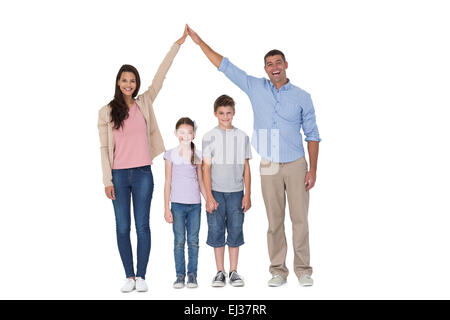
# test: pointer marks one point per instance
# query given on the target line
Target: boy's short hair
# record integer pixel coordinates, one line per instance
(274, 52)
(224, 101)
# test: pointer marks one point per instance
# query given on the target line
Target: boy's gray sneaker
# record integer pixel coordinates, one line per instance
(179, 283)
(305, 280)
(219, 279)
(276, 281)
(235, 279)
(192, 281)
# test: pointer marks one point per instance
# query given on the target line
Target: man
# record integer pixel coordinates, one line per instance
(280, 109)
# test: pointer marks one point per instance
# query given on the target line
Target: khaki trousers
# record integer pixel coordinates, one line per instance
(277, 181)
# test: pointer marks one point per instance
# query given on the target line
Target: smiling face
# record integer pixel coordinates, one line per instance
(225, 116)
(127, 83)
(185, 134)
(275, 68)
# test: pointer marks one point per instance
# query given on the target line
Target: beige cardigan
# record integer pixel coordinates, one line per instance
(145, 103)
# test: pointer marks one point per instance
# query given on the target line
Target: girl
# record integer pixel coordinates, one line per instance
(182, 187)
(130, 139)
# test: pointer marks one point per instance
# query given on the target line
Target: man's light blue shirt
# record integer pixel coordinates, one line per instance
(278, 115)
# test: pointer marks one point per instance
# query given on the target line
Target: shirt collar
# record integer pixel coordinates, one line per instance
(284, 87)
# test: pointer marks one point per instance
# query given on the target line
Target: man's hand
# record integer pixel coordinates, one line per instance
(310, 180)
(246, 202)
(109, 191)
(183, 37)
(211, 204)
(213, 56)
(194, 36)
(168, 216)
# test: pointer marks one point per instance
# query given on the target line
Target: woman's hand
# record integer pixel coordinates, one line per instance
(168, 216)
(110, 193)
(185, 34)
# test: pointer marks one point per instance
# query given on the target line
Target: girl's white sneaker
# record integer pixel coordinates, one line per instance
(141, 286)
(129, 285)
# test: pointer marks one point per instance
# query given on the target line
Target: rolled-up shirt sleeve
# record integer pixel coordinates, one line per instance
(309, 124)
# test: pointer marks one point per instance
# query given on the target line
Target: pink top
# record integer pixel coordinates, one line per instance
(131, 147)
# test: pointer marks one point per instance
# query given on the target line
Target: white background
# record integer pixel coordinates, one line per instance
(378, 73)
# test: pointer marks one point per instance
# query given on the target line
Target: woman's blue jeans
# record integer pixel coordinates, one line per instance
(186, 221)
(135, 183)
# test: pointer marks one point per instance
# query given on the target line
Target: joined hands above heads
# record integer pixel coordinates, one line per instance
(191, 33)
(188, 31)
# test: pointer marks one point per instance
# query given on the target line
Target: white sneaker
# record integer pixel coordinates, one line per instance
(141, 286)
(305, 280)
(276, 281)
(130, 285)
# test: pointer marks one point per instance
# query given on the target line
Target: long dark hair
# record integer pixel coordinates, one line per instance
(119, 109)
(189, 122)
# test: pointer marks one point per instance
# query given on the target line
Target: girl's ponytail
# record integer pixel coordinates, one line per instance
(193, 152)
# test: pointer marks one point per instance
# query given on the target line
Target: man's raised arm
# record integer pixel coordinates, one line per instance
(213, 56)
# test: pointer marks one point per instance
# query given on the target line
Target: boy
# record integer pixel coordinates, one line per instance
(226, 151)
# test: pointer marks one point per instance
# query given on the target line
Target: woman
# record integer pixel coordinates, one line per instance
(130, 139)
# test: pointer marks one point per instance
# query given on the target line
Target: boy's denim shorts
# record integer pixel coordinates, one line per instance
(230, 216)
